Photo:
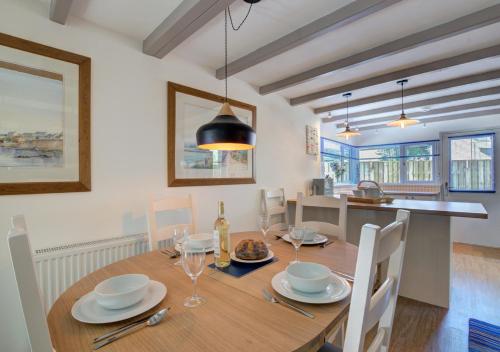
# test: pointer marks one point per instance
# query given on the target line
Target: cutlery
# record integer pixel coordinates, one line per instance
(279, 237)
(125, 327)
(327, 243)
(152, 321)
(270, 298)
(171, 253)
(344, 275)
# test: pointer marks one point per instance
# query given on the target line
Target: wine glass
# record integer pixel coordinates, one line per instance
(176, 238)
(193, 263)
(264, 227)
(297, 238)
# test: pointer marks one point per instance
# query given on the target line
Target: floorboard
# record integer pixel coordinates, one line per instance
(475, 294)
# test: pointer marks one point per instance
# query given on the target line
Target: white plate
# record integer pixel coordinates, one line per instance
(87, 310)
(318, 239)
(178, 248)
(337, 290)
(270, 256)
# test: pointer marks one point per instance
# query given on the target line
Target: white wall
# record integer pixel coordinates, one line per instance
(480, 232)
(129, 148)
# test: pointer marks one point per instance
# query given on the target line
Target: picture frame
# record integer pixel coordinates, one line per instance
(188, 109)
(45, 122)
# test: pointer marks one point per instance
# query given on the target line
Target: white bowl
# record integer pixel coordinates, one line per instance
(200, 240)
(121, 291)
(309, 234)
(308, 277)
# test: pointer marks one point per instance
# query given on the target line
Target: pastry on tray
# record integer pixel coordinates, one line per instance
(251, 250)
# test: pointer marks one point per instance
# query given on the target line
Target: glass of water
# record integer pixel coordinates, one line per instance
(193, 263)
(297, 238)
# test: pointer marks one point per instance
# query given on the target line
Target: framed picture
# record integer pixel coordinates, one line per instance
(188, 109)
(44, 119)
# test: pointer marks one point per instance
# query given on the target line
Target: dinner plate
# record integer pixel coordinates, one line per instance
(270, 255)
(87, 310)
(318, 239)
(337, 290)
(207, 250)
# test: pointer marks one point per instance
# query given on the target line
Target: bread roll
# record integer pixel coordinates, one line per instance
(251, 250)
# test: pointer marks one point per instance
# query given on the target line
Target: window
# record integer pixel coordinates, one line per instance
(380, 164)
(338, 161)
(399, 163)
(471, 167)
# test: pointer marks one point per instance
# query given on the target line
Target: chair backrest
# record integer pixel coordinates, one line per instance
(339, 230)
(367, 308)
(158, 233)
(274, 205)
(27, 284)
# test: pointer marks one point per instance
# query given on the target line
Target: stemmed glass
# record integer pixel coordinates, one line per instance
(297, 238)
(193, 263)
(264, 227)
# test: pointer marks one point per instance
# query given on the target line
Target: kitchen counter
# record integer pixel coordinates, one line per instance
(427, 263)
(458, 209)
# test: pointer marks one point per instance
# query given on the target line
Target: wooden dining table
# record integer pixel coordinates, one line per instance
(235, 316)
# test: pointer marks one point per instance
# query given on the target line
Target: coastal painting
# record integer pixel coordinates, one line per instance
(31, 118)
(188, 165)
(44, 119)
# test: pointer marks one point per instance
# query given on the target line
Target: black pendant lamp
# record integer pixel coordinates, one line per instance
(226, 131)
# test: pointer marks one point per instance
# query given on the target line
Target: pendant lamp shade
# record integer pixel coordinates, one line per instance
(225, 132)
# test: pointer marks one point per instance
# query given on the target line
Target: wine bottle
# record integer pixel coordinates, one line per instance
(222, 227)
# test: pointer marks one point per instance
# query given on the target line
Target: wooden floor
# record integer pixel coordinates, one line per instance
(475, 294)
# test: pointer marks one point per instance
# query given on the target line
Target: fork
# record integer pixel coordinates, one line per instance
(172, 253)
(270, 298)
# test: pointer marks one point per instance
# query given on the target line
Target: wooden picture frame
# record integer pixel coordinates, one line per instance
(173, 91)
(81, 167)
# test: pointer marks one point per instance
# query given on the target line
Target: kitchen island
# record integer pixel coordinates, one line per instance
(427, 264)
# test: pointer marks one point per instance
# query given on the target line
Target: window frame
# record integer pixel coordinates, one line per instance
(353, 167)
(493, 161)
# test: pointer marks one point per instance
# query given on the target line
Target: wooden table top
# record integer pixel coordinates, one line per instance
(431, 207)
(235, 316)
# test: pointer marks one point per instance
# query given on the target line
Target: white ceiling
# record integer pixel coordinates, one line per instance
(271, 19)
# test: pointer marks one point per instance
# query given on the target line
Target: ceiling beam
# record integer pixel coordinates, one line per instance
(185, 20)
(59, 10)
(335, 20)
(404, 73)
(446, 110)
(433, 87)
(421, 103)
(465, 115)
(460, 25)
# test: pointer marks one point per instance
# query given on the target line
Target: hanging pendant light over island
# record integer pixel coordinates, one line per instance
(403, 120)
(226, 131)
(347, 133)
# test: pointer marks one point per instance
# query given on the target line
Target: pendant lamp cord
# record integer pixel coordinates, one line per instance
(402, 94)
(235, 28)
(225, 51)
(347, 111)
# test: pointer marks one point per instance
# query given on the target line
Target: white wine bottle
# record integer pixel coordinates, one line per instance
(222, 227)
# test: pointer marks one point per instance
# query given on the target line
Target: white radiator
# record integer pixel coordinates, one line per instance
(59, 267)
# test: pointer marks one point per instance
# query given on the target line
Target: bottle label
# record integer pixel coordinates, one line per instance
(216, 244)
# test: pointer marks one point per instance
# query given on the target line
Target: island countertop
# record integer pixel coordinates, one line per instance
(443, 208)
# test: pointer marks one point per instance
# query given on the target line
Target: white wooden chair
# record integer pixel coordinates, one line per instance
(168, 204)
(338, 230)
(368, 308)
(273, 203)
(27, 284)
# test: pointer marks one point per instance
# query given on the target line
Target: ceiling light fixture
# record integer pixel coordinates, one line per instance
(226, 131)
(403, 121)
(347, 133)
